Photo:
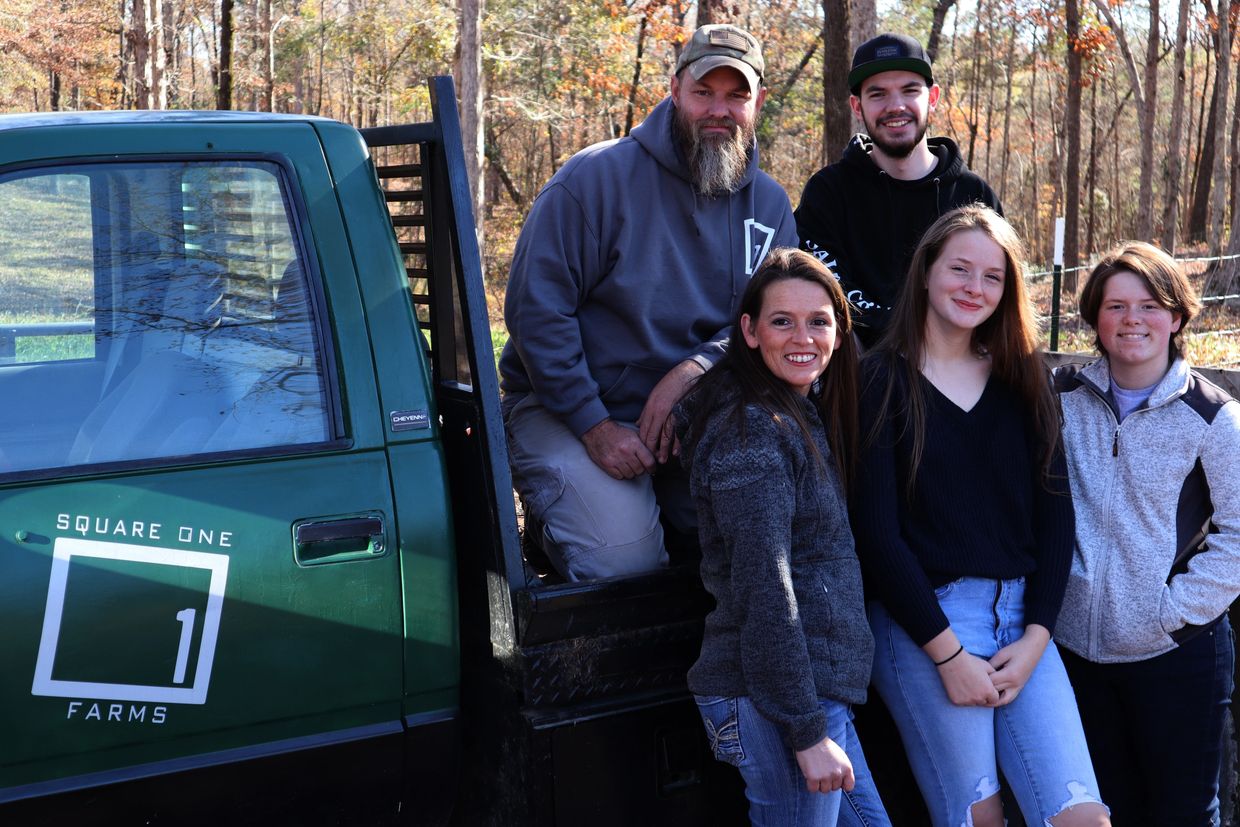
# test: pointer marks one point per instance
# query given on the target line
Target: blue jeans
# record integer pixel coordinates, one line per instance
(1155, 728)
(956, 752)
(741, 736)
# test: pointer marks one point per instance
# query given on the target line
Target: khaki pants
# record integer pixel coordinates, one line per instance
(593, 525)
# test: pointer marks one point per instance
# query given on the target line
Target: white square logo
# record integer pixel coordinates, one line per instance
(71, 549)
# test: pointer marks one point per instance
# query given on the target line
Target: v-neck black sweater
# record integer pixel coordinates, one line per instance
(979, 506)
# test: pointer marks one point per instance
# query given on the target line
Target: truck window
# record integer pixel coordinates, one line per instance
(153, 310)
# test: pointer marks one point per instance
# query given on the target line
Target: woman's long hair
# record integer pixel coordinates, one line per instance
(1009, 337)
(742, 376)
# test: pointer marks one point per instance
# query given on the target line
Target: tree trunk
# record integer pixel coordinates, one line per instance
(470, 93)
(1145, 200)
(637, 75)
(266, 36)
(941, 8)
(1199, 214)
(123, 51)
(1036, 225)
(725, 11)
(1115, 173)
(990, 91)
(1220, 174)
(1146, 99)
(223, 81)
(147, 39)
(1092, 175)
(1234, 153)
(171, 39)
(836, 59)
(863, 19)
(1174, 153)
(1072, 134)
(1229, 270)
(973, 119)
(1009, 71)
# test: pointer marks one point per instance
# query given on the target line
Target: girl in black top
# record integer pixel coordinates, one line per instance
(964, 527)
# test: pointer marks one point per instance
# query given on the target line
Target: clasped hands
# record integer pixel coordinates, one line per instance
(973, 681)
(624, 453)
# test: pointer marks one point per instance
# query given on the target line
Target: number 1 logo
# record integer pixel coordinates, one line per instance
(71, 550)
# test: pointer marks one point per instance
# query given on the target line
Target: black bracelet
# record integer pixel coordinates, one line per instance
(951, 657)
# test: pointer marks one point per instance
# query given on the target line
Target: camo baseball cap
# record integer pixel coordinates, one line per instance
(720, 44)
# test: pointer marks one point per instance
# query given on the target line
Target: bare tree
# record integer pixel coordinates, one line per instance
(1072, 135)
(722, 11)
(1222, 85)
(266, 48)
(631, 104)
(1174, 153)
(1145, 205)
(1146, 94)
(863, 21)
(1199, 214)
(223, 75)
(147, 41)
(836, 59)
(470, 91)
(941, 8)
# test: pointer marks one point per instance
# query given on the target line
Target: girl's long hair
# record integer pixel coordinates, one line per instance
(1009, 337)
(742, 376)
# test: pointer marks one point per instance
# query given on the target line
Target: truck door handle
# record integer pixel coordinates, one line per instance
(338, 540)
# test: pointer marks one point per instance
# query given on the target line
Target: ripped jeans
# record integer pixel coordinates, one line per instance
(956, 752)
(739, 735)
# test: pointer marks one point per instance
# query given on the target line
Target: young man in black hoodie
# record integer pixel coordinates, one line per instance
(863, 215)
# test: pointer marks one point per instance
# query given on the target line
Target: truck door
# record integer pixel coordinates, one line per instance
(195, 562)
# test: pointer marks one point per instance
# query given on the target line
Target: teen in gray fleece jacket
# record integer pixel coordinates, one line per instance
(1154, 459)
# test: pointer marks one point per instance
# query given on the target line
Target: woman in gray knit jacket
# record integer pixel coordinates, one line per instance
(1154, 458)
(770, 432)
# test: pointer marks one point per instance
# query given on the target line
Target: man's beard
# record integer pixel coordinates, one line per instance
(897, 151)
(717, 163)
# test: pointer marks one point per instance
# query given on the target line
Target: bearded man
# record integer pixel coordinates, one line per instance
(620, 292)
(864, 214)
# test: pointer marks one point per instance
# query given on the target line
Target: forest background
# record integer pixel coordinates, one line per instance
(1123, 116)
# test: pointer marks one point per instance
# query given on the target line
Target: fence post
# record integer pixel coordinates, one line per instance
(1056, 283)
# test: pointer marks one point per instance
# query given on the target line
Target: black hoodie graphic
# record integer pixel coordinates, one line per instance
(864, 224)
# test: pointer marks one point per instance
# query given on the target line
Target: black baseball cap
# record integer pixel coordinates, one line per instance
(885, 53)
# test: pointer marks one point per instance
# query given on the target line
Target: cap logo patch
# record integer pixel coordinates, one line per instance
(886, 51)
(728, 40)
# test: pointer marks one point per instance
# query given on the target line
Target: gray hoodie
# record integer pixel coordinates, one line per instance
(1157, 502)
(623, 270)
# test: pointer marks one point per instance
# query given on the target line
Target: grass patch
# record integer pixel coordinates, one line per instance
(55, 348)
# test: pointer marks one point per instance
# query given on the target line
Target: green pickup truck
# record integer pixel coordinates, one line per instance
(259, 559)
